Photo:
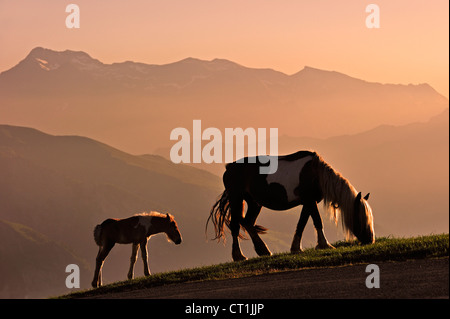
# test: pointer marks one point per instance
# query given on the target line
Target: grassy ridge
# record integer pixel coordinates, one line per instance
(385, 249)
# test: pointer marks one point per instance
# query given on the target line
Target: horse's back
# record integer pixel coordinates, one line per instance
(109, 221)
(238, 175)
(294, 181)
(296, 156)
(113, 230)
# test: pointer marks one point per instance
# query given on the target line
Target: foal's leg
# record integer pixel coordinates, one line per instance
(133, 258)
(296, 246)
(322, 241)
(249, 223)
(145, 257)
(103, 251)
(236, 207)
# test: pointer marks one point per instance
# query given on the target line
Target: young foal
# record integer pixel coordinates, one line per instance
(134, 230)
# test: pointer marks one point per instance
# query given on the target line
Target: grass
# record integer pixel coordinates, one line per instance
(384, 249)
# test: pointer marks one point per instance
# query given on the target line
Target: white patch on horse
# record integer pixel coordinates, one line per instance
(144, 221)
(288, 175)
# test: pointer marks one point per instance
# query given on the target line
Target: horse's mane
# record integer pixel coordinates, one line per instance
(338, 194)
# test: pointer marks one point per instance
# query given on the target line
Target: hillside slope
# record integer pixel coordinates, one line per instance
(261, 271)
(32, 264)
(62, 187)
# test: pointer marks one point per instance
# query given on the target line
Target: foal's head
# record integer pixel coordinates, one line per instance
(363, 221)
(171, 229)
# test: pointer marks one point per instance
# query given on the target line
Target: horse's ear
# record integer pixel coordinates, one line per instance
(358, 197)
(167, 215)
(367, 196)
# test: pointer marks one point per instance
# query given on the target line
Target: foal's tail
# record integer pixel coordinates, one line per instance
(220, 215)
(97, 234)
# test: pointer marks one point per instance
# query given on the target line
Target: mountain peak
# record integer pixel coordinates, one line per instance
(37, 51)
(50, 60)
(308, 70)
(224, 64)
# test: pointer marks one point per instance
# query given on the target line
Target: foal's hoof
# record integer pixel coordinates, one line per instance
(296, 251)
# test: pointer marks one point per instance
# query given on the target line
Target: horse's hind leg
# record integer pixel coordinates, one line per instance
(236, 211)
(322, 242)
(133, 258)
(102, 253)
(249, 223)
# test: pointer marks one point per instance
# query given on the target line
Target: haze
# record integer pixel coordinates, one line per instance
(410, 47)
(76, 119)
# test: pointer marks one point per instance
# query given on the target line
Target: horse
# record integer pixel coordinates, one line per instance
(302, 178)
(134, 230)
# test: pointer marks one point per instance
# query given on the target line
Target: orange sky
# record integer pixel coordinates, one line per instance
(412, 45)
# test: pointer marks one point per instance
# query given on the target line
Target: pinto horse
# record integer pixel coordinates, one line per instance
(134, 230)
(302, 178)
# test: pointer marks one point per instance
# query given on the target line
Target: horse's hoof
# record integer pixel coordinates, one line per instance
(263, 251)
(300, 251)
(239, 258)
(325, 246)
(266, 253)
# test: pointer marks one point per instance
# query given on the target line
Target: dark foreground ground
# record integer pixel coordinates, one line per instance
(422, 278)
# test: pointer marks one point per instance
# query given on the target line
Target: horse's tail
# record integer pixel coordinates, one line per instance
(97, 234)
(220, 215)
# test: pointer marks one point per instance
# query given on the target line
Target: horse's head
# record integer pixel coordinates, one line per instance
(363, 220)
(172, 230)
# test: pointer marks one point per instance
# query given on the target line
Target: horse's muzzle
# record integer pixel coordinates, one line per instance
(178, 242)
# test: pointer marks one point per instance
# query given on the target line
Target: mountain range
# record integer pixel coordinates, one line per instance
(134, 106)
(72, 125)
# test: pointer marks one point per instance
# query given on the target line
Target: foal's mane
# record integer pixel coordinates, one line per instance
(338, 194)
(151, 214)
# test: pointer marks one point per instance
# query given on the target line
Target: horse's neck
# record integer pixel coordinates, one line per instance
(156, 227)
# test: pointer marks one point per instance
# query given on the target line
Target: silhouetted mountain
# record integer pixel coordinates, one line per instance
(62, 186)
(33, 265)
(135, 106)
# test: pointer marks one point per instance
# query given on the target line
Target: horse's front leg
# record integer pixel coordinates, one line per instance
(145, 257)
(133, 258)
(296, 246)
(322, 242)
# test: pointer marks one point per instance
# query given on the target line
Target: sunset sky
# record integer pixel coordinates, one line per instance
(411, 45)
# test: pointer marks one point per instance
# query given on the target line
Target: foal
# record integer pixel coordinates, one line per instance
(134, 230)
